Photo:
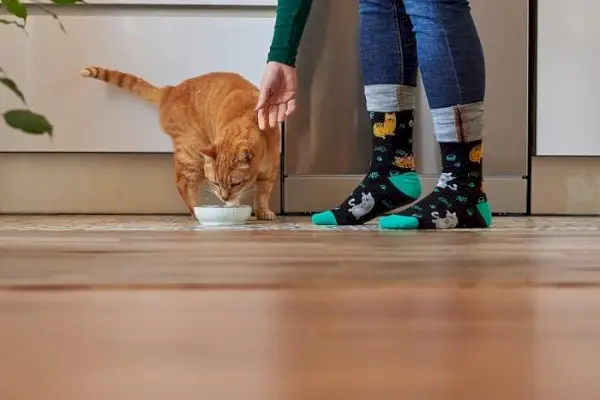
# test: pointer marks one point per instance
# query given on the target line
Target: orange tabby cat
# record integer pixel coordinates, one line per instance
(214, 128)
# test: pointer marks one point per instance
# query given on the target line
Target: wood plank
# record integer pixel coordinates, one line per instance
(372, 315)
(316, 344)
(163, 252)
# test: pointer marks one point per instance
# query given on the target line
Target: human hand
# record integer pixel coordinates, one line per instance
(277, 98)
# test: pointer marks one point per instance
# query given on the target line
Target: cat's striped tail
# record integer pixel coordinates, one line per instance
(125, 81)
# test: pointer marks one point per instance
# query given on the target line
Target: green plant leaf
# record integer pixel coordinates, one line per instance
(28, 122)
(16, 8)
(16, 23)
(12, 85)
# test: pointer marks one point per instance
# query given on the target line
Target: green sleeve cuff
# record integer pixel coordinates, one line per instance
(289, 26)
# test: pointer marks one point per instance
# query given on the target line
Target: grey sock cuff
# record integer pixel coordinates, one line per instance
(460, 123)
(390, 98)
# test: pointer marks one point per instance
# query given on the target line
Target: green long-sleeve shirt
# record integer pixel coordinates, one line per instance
(289, 27)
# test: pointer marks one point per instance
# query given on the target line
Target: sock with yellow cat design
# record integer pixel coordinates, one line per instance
(458, 200)
(391, 181)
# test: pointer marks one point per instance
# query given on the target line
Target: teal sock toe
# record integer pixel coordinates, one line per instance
(324, 218)
(398, 222)
(485, 212)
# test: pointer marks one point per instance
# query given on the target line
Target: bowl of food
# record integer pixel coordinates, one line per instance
(222, 215)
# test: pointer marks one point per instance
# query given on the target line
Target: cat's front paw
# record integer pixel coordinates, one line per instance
(265, 215)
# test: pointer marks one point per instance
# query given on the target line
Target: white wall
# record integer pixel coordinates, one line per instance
(90, 116)
(226, 3)
(568, 83)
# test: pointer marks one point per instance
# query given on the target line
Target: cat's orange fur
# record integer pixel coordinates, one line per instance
(214, 128)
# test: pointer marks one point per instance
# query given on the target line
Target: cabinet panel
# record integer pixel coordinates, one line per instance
(225, 3)
(90, 116)
(568, 122)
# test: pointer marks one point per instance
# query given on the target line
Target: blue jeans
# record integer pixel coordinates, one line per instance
(398, 37)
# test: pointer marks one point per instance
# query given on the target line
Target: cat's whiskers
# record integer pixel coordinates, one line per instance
(213, 191)
(208, 190)
(246, 192)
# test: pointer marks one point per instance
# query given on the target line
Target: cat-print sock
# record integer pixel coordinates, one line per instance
(391, 181)
(458, 200)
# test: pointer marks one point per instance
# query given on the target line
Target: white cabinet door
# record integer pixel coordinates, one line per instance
(568, 85)
(90, 116)
(225, 3)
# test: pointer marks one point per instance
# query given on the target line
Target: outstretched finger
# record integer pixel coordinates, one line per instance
(263, 97)
(273, 110)
(262, 119)
(291, 107)
(281, 112)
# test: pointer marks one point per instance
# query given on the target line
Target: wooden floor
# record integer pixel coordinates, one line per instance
(96, 308)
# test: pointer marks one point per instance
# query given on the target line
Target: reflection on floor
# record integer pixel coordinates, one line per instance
(96, 307)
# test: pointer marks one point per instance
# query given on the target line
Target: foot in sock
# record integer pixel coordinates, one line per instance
(391, 181)
(458, 201)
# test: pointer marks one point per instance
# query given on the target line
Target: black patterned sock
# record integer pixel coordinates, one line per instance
(391, 181)
(458, 201)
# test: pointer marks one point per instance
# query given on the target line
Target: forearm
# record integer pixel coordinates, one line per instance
(289, 27)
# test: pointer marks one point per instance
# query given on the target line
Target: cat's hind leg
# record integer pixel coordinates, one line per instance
(189, 174)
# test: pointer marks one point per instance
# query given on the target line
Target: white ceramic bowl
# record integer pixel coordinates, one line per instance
(222, 215)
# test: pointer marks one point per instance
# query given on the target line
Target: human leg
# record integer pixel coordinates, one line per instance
(452, 66)
(389, 63)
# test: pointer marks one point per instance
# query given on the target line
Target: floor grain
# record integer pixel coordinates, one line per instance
(277, 345)
(164, 252)
(94, 308)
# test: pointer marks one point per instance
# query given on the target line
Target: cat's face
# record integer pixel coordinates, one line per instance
(229, 171)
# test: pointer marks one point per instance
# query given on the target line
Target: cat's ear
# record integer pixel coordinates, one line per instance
(209, 153)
